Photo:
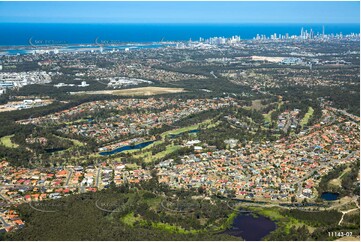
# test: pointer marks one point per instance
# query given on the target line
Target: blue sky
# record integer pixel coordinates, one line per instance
(180, 12)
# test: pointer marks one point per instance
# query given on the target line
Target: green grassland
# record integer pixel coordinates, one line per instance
(131, 166)
(312, 225)
(135, 214)
(307, 116)
(147, 152)
(148, 157)
(75, 142)
(338, 180)
(130, 219)
(173, 228)
(6, 141)
(267, 116)
(283, 222)
(144, 153)
(133, 220)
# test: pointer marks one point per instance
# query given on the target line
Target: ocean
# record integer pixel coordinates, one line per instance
(58, 34)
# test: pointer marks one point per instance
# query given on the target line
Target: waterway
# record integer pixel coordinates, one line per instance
(127, 147)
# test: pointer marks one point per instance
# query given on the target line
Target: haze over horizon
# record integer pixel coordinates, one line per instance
(181, 12)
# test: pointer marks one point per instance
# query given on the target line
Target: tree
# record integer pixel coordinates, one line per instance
(201, 190)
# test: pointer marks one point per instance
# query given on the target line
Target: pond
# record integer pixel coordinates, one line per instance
(330, 196)
(127, 147)
(250, 227)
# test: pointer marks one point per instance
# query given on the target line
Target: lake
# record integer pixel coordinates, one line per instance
(127, 147)
(249, 227)
(330, 196)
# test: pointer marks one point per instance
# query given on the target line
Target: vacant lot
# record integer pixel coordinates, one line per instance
(140, 91)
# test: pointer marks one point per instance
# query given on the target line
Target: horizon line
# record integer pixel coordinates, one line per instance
(148, 23)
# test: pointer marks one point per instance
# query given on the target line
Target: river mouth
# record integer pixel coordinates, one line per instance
(250, 227)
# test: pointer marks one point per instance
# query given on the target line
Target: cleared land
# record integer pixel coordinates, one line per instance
(267, 58)
(139, 91)
(257, 105)
(6, 141)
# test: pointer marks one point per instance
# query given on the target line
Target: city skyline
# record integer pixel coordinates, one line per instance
(180, 12)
